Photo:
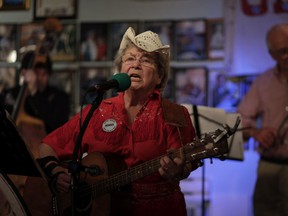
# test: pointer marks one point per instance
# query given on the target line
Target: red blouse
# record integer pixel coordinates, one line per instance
(109, 132)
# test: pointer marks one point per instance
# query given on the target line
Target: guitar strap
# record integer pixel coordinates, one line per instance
(173, 114)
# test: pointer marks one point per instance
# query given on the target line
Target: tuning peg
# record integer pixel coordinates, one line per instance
(200, 163)
(230, 130)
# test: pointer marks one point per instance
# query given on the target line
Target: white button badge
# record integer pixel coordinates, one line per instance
(109, 125)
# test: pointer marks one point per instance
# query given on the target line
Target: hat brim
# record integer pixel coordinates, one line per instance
(130, 36)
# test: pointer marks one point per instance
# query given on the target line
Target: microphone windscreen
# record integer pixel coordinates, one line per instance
(123, 80)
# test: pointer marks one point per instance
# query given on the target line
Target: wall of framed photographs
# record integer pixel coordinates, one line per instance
(83, 55)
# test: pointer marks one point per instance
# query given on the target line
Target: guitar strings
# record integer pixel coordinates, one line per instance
(124, 177)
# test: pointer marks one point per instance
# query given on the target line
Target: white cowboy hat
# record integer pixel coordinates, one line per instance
(148, 41)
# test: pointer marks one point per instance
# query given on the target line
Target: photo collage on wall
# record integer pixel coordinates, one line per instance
(63, 47)
(83, 54)
(77, 41)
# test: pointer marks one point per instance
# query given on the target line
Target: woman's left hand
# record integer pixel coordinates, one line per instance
(171, 169)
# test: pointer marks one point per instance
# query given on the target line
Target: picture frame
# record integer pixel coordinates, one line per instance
(14, 5)
(8, 35)
(191, 85)
(190, 40)
(64, 9)
(228, 91)
(224, 91)
(93, 42)
(215, 39)
(64, 48)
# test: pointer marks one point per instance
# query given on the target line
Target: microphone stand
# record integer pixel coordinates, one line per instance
(198, 133)
(75, 164)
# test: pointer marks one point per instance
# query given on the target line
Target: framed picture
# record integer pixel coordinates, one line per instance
(93, 41)
(8, 43)
(64, 48)
(90, 77)
(224, 91)
(14, 4)
(165, 31)
(190, 40)
(117, 31)
(191, 85)
(215, 39)
(64, 9)
(227, 91)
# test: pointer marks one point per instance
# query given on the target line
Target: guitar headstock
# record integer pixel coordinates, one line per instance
(208, 145)
(211, 144)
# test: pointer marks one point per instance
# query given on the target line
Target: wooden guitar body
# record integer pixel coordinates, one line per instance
(41, 202)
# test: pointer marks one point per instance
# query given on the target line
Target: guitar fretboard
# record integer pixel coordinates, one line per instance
(197, 150)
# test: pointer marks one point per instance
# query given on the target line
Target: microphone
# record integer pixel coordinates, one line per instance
(120, 82)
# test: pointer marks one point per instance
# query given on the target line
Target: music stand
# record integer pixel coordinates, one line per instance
(207, 119)
(211, 119)
(15, 157)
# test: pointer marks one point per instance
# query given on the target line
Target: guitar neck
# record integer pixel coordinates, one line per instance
(209, 146)
(125, 177)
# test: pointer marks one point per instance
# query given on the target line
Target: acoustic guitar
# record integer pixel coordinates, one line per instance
(98, 188)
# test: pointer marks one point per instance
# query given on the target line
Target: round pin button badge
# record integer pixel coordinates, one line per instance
(109, 125)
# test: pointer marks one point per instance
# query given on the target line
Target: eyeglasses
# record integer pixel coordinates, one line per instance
(146, 61)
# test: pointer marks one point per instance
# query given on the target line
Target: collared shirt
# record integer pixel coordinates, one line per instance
(147, 138)
(109, 132)
(268, 99)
